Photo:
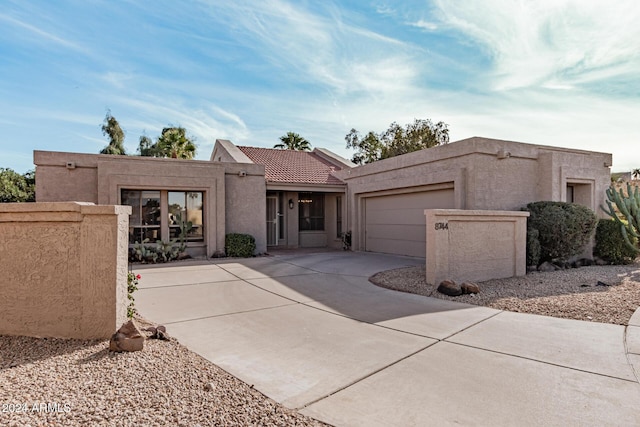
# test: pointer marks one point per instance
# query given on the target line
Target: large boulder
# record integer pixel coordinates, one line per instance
(470, 288)
(449, 287)
(127, 338)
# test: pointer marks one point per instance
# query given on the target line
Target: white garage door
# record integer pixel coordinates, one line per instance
(395, 224)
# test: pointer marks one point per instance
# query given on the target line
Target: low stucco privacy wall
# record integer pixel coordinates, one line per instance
(64, 269)
(475, 245)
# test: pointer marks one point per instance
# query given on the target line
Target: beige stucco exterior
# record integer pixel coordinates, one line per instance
(474, 245)
(64, 269)
(230, 189)
(484, 174)
(382, 202)
(225, 152)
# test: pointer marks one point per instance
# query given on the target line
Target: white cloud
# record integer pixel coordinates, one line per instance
(425, 25)
(116, 79)
(42, 34)
(320, 47)
(205, 122)
(565, 42)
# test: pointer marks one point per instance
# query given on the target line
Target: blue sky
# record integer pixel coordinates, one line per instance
(558, 72)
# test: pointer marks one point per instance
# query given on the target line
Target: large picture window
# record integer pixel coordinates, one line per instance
(158, 214)
(185, 206)
(144, 222)
(311, 211)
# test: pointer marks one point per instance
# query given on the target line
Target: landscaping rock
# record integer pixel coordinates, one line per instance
(470, 288)
(582, 262)
(127, 338)
(449, 287)
(158, 333)
(600, 261)
(547, 266)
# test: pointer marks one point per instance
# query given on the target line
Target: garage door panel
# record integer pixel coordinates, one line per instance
(422, 200)
(412, 233)
(396, 224)
(399, 247)
(395, 216)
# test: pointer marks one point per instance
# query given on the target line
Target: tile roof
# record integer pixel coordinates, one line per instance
(296, 167)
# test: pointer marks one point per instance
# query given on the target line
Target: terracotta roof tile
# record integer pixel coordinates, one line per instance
(296, 167)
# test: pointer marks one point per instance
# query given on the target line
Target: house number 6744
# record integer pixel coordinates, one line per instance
(442, 226)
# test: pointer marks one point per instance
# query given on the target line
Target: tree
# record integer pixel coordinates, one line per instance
(397, 140)
(173, 143)
(15, 187)
(369, 148)
(112, 129)
(147, 147)
(635, 174)
(293, 141)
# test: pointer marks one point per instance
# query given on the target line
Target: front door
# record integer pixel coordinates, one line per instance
(272, 220)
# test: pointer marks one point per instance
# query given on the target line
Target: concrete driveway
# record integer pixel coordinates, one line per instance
(311, 332)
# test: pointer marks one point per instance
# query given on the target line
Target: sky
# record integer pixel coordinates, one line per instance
(554, 72)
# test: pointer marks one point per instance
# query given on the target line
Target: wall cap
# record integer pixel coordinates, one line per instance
(85, 208)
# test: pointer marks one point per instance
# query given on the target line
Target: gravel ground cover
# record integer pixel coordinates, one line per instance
(56, 382)
(571, 294)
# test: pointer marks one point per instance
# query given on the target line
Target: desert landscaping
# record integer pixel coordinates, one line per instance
(607, 294)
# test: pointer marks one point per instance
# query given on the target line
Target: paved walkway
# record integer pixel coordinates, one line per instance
(311, 332)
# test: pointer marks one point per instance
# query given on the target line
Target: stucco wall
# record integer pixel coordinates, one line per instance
(64, 269)
(485, 173)
(246, 209)
(100, 179)
(478, 245)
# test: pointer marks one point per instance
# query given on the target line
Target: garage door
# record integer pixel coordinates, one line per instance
(395, 224)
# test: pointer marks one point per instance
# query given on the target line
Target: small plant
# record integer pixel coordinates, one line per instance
(239, 245)
(346, 240)
(132, 286)
(626, 213)
(167, 251)
(160, 252)
(141, 251)
(185, 228)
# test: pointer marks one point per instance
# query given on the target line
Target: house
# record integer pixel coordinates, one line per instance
(307, 199)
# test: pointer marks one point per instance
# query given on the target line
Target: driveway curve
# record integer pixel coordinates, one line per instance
(311, 332)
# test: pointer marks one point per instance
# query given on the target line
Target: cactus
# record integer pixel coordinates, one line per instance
(629, 207)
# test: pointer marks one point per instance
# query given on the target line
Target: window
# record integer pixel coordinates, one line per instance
(185, 206)
(144, 222)
(157, 214)
(311, 211)
(339, 216)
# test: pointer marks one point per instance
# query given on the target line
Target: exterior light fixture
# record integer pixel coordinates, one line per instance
(503, 154)
(290, 203)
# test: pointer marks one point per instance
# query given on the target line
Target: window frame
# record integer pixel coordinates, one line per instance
(309, 219)
(163, 226)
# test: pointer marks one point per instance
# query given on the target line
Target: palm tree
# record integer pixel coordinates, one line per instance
(175, 144)
(635, 174)
(293, 141)
(112, 129)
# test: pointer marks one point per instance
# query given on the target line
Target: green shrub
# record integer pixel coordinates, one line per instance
(533, 247)
(239, 245)
(610, 243)
(564, 229)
